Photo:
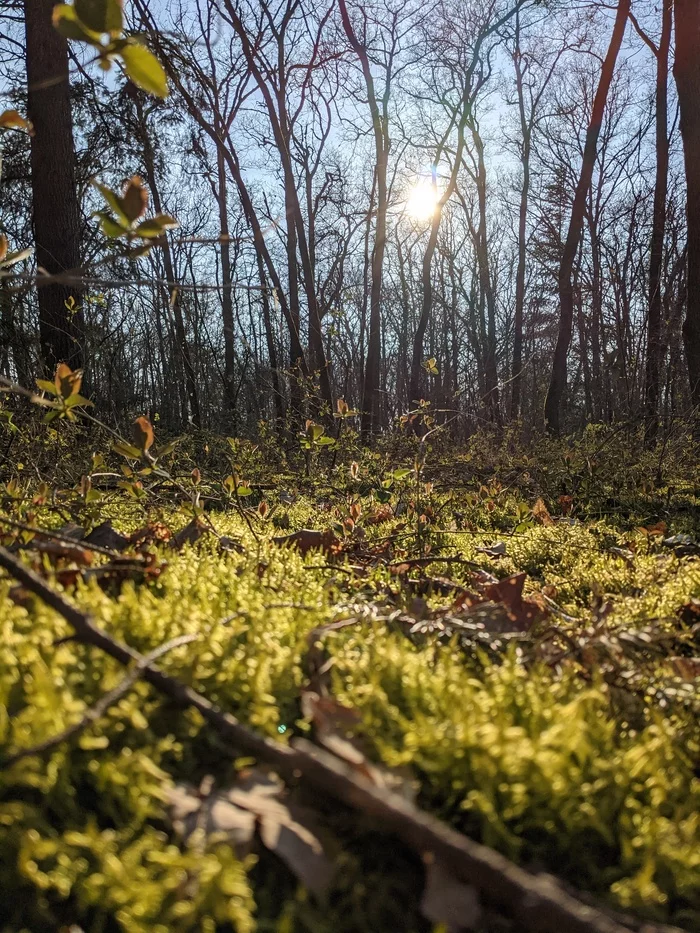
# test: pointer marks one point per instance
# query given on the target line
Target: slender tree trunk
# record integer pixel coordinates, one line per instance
(557, 383)
(55, 209)
(278, 398)
(653, 360)
(226, 279)
(172, 294)
(526, 130)
(416, 381)
(482, 250)
(380, 125)
(687, 74)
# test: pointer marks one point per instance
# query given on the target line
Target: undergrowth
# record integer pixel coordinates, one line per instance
(573, 748)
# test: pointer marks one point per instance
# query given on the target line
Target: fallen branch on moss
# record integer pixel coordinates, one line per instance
(536, 903)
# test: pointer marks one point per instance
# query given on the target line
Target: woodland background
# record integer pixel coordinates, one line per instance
(480, 206)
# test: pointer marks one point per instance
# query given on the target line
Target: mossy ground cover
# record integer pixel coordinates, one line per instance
(573, 747)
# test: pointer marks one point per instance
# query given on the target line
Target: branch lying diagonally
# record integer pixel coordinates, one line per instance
(537, 903)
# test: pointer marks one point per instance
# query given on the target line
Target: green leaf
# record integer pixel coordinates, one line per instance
(156, 226)
(66, 21)
(401, 474)
(77, 400)
(244, 491)
(126, 450)
(101, 15)
(110, 227)
(325, 441)
(47, 386)
(115, 202)
(144, 69)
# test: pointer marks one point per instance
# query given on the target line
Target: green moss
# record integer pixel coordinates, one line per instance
(539, 764)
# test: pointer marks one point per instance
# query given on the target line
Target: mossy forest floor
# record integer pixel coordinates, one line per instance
(559, 725)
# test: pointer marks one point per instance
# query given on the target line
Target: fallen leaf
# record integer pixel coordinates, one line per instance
(383, 513)
(687, 668)
(541, 513)
(189, 534)
(154, 533)
(447, 900)
(257, 802)
(494, 550)
(227, 543)
(308, 539)
(683, 545)
(657, 530)
(566, 504)
(105, 535)
(509, 592)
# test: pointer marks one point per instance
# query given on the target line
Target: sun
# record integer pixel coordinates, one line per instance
(422, 201)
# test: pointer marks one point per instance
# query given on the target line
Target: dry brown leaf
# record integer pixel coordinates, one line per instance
(686, 668)
(189, 534)
(154, 533)
(509, 593)
(105, 535)
(566, 504)
(309, 539)
(541, 513)
(448, 901)
(257, 801)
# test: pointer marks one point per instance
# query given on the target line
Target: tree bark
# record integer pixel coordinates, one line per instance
(653, 360)
(687, 74)
(557, 383)
(55, 209)
(380, 126)
(526, 130)
(172, 294)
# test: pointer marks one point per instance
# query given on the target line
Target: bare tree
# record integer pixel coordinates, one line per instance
(557, 383)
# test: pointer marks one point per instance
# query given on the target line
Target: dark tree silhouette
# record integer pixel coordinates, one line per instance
(56, 216)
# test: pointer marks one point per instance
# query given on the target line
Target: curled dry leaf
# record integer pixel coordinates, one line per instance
(143, 434)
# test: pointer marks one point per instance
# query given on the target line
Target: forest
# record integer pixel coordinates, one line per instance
(349, 466)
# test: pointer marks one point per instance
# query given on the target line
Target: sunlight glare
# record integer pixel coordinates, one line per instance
(422, 201)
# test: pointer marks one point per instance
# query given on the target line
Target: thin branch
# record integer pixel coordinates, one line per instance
(97, 711)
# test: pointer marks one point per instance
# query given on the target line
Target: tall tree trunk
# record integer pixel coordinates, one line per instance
(380, 126)
(171, 293)
(653, 360)
(226, 279)
(55, 209)
(687, 74)
(526, 130)
(278, 398)
(482, 250)
(557, 383)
